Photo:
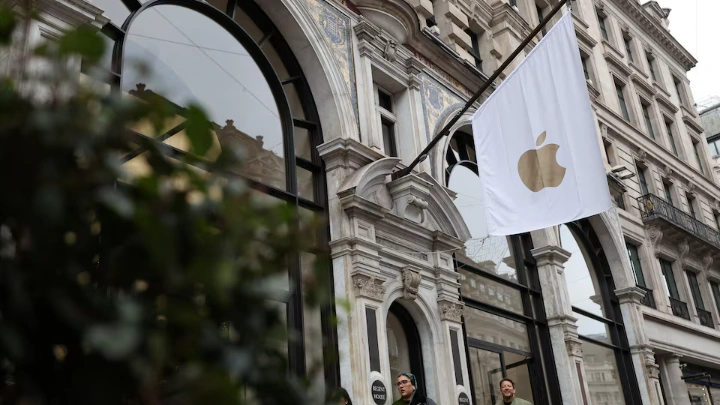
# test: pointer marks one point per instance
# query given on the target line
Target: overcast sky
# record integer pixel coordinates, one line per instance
(695, 23)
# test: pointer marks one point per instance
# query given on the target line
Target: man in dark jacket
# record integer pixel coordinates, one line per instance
(407, 386)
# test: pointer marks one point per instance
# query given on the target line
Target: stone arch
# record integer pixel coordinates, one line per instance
(607, 228)
(427, 321)
(370, 182)
(439, 161)
(334, 98)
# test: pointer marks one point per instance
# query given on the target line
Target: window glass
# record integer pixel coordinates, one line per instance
(191, 59)
(601, 372)
(592, 328)
(695, 290)
(388, 133)
(516, 369)
(305, 184)
(484, 290)
(486, 374)
(635, 264)
(496, 329)
(491, 254)
(397, 350)
(303, 143)
(669, 278)
(582, 282)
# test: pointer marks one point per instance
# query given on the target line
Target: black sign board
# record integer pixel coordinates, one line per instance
(379, 392)
(463, 399)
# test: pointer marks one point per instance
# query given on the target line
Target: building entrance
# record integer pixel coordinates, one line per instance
(404, 347)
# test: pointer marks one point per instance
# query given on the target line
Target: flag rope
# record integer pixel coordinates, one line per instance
(445, 131)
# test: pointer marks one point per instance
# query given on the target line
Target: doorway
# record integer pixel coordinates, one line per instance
(490, 363)
(404, 347)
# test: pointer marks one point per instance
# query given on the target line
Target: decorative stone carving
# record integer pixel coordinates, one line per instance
(574, 347)
(707, 261)
(691, 189)
(416, 215)
(390, 52)
(642, 155)
(716, 206)
(668, 173)
(411, 280)
(368, 287)
(653, 370)
(655, 235)
(451, 311)
(683, 249)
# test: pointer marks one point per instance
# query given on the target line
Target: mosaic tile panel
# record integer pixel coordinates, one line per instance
(438, 104)
(338, 33)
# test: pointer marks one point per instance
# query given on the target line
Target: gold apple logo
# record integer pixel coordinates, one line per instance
(538, 168)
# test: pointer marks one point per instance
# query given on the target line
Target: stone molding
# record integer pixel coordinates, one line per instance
(645, 21)
(551, 255)
(630, 294)
(347, 153)
(368, 287)
(451, 310)
(574, 347)
(655, 234)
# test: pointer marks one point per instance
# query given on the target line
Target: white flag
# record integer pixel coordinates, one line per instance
(537, 149)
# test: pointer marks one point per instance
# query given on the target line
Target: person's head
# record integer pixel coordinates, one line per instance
(339, 396)
(507, 387)
(406, 385)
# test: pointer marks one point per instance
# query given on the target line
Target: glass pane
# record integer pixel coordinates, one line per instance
(303, 143)
(312, 324)
(491, 254)
(248, 25)
(486, 374)
(516, 367)
(479, 288)
(276, 62)
(602, 376)
(698, 394)
(306, 185)
(191, 59)
(312, 221)
(296, 108)
(592, 328)
(219, 4)
(715, 392)
(397, 350)
(115, 10)
(496, 329)
(580, 277)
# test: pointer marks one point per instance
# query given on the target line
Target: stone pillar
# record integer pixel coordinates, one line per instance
(567, 354)
(674, 386)
(642, 356)
(369, 131)
(414, 69)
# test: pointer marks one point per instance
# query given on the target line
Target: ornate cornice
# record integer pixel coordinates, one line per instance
(451, 310)
(656, 31)
(368, 287)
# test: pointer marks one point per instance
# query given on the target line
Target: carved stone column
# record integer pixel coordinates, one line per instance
(566, 346)
(674, 386)
(370, 132)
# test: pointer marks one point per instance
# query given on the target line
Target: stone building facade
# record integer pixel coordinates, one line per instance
(333, 96)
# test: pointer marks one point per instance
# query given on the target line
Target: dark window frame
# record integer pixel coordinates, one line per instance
(695, 290)
(634, 256)
(620, 92)
(224, 18)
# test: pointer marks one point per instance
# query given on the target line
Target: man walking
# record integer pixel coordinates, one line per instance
(407, 387)
(507, 388)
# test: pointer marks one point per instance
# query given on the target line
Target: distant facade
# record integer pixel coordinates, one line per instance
(329, 97)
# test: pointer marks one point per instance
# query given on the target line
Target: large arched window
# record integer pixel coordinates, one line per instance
(504, 322)
(606, 356)
(228, 57)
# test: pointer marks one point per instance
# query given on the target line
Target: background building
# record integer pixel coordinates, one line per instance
(333, 96)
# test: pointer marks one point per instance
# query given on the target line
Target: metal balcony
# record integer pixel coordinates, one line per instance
(679, 308)
(648, 300)
(655, 209)
(705, 318)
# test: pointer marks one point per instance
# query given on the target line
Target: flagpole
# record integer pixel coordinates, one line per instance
(446, 129)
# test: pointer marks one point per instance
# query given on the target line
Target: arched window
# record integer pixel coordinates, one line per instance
(228, 57)
(606, 356)
(504, 319)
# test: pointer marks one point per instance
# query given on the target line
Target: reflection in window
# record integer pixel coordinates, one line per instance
(486, 369)
(603, 382)
(490, 254)
(190, 59)
(495, 328)
(582, 283)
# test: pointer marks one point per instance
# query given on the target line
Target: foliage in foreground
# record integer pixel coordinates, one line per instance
(110, 293)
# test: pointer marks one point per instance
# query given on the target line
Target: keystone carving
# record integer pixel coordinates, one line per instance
(390, 52)
(411, 280)
(707, 261)
(451, 311)
(368, 287)
(683, 250)
(655, 235)
(421, 204)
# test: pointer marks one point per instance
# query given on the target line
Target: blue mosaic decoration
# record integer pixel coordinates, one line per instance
(337, 29)
(438, 104)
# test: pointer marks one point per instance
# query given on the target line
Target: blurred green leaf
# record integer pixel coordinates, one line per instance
(7, 24)
(199, 129)
(83, 41)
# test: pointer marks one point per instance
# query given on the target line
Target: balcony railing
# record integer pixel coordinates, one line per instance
(652, 206)
(648, 300)
(679, 308)
(705, 318)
